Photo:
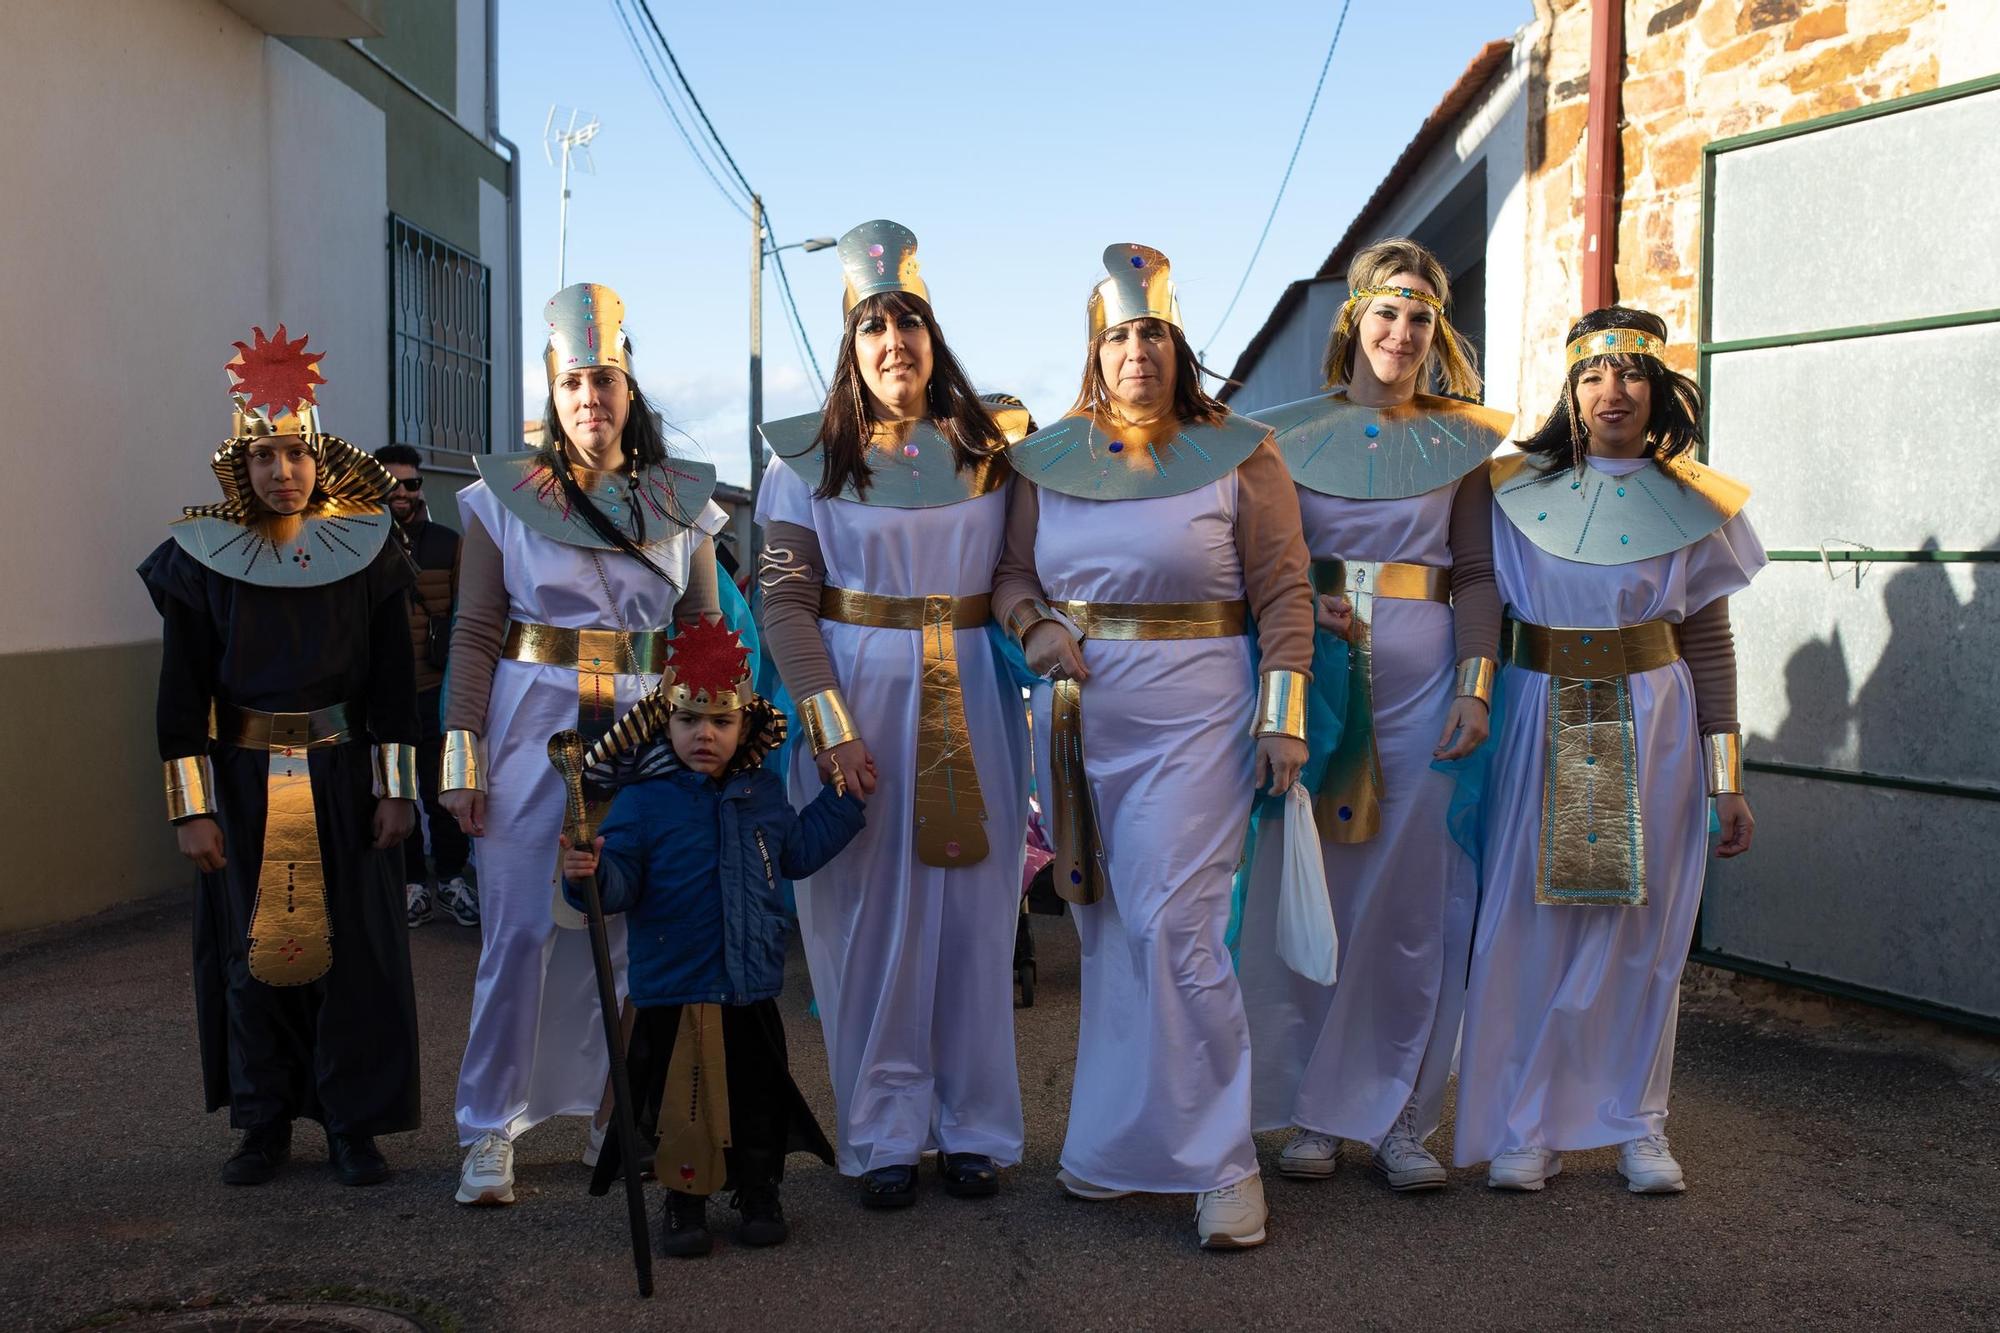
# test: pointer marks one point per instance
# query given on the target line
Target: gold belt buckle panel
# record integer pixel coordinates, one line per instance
(602, 651)
(1584, 654)
(290, 731)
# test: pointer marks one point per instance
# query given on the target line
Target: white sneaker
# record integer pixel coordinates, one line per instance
(1649, 1166)
(488, 1177)
(1523, 1169)
(593, 1147)
(457, 898)
(417, 904)
(1310, 1156)
(1233, 1217)
(1403, 1159)
(1079, 1188)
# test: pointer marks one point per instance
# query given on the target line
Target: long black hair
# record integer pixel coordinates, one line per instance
(1673, 424)
(846, 427)
(645, 444)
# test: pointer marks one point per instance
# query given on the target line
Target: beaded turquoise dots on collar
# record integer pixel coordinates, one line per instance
(1614, 342)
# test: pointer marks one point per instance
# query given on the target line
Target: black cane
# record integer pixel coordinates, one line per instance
(566, 753)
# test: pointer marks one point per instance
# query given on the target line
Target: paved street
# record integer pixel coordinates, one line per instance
(1836, 1183)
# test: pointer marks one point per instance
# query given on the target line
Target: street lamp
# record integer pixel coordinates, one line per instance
(757, 252)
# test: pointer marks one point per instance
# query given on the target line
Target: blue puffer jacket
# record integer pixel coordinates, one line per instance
(693, 862)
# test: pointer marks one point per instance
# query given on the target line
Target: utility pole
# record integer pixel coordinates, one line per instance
(569, 141)
(756, 345)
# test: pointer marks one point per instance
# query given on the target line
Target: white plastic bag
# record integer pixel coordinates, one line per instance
(1307, 940)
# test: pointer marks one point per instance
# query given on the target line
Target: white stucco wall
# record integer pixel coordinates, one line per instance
(1490, 137)
(215, 182)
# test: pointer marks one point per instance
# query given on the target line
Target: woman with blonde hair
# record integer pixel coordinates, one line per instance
(1157, 523)
(1391, 489)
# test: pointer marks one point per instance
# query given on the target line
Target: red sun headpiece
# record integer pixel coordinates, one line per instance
(710, 666)
(274, 373)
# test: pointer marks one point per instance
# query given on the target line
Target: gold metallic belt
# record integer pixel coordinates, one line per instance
(949, 811)
(1383, 578)
(1079, 853)
(1591, 654)
(1593, 847)
(882, 612)
(613, 652)
(291, 937)
(1158, 620)
(1348, 805)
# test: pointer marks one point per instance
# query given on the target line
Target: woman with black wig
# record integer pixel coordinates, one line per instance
(881, 532)
(577, 559)
(1610, 735)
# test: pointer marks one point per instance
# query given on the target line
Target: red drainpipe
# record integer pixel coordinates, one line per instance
(1600, 182)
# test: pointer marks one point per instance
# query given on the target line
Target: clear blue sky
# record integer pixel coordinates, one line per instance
(1016, 140)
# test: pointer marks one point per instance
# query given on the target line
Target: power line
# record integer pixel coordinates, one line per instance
(701, 161)
(713, 138)
(1273, 214)
(688, 88)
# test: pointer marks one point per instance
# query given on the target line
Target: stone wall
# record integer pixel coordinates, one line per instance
(1695, 71)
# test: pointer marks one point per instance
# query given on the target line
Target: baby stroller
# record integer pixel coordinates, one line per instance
(1038, 898)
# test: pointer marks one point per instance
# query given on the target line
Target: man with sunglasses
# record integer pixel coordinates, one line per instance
(433, 548)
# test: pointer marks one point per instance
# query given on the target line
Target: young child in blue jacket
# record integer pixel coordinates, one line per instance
(698, 834)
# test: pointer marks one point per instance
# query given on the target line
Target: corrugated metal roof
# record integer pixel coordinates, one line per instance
(1485, 67)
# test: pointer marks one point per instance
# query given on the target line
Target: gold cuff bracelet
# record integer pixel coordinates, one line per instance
(460, 769)
(1475, 679)
(1281, 705)
(190, 788)
(827, 720)
(396, 771)
(1724, 752)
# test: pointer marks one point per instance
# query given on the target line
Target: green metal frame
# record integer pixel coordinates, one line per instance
(1706, 350)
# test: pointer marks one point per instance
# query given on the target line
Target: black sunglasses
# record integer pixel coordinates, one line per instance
(413, 483)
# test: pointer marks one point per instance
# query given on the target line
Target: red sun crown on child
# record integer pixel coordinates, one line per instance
(709, 657)
(274, 372)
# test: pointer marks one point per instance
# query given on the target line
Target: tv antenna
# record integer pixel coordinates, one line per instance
(571, 141)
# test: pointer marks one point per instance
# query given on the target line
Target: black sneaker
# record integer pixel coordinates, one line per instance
(257, 1159)
(763, 1216)
(686, 1221)
(968, 1175)
(889, 1187)
(417, 904)
(356, 1159)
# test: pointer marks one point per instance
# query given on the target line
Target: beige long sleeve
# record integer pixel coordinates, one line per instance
(478, 630)
(1271, 544)
(1475, 594)
(1016, 579)
(1709, 647)
(791, 572)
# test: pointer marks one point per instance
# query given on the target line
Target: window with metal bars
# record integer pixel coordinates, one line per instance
(440, 344)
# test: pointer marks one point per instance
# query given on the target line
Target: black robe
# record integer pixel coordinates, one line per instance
(342, 1049)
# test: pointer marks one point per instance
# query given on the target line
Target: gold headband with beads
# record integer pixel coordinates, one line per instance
(1614, 342)
(1407, 293)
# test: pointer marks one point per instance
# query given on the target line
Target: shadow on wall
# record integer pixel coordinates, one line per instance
(1941, 655)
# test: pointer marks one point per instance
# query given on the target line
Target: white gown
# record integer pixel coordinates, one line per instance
(536, 1045)
(913, 965)
(1161, 1100)
(1344, 1060)
(1570, 1010)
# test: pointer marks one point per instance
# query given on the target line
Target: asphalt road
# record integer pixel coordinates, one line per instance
(1834, 1184)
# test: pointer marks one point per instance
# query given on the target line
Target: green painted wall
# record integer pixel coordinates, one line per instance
(435, 164)
(420, 42)
(82, 788)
